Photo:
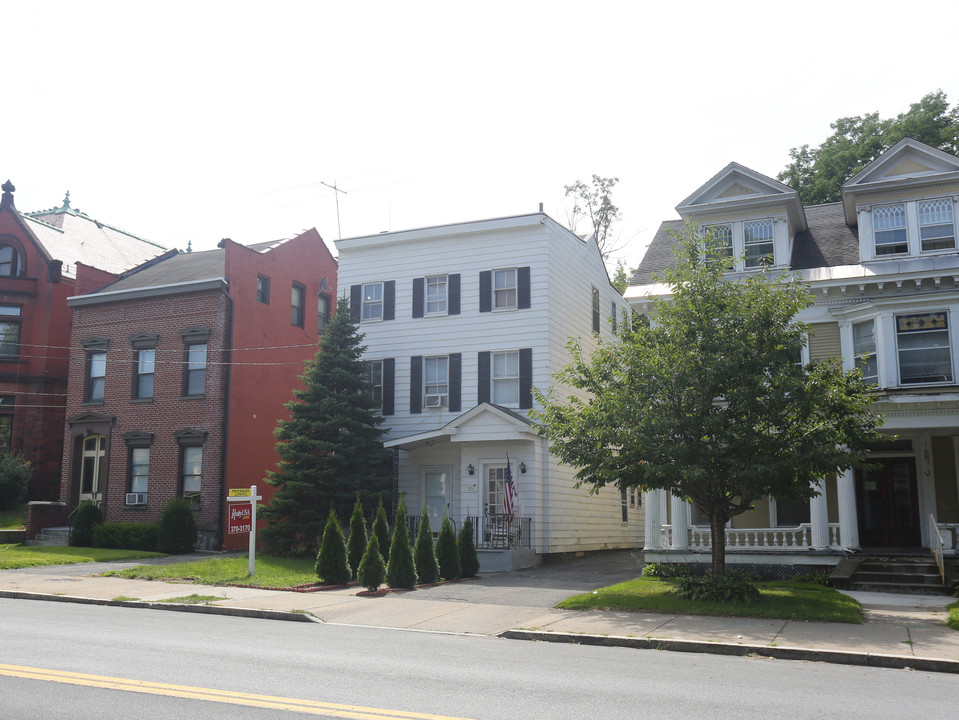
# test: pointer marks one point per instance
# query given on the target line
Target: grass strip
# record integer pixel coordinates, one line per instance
(953, 620)
(23, 556)
(780, 600)
(274, 572)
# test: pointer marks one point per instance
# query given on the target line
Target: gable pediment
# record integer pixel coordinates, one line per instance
(733, 183)
(908, 159)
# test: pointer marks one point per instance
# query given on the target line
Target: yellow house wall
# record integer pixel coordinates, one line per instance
(824, 341)
(944, 467)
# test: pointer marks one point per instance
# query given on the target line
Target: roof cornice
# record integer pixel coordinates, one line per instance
(147, 292)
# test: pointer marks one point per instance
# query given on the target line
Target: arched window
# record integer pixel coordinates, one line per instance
(9, 261)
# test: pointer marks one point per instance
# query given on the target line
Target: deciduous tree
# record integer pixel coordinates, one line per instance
(595, 203)
(706, 399)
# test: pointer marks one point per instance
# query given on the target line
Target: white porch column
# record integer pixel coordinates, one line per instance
(848, 518)
(679, 512)
(652, 532)
(819, 517)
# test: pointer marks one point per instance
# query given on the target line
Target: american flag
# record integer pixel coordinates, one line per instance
(509, 490)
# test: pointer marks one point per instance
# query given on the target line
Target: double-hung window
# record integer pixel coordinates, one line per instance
(758, 242)
(504, 289)
(504, 377)
(889, 230)
(194, 372)
(372, 301)
(144, 371)
(323, 303)
(139, 469)
(436, 381)
(95, 370)
(263, 289)
(10, 331)
(721, 236)
(436, 295)
(923, 346)
(376, 382)
(9, 261)
(192, 472)
(937, 228)
(864, 348)
(297, 299)
(595, 310)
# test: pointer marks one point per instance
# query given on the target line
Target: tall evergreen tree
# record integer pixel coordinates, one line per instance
(381, 528)
(427, 569)
(356, 545)
(330, 448)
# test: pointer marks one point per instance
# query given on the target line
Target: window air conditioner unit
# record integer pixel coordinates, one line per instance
(433, 401)
(136, 498)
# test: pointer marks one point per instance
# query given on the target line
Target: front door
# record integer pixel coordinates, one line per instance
(888, 503)
(436, 489)
(93, 467)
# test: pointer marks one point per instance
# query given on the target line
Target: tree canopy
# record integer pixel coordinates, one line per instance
(594, 201)
(330, 449)
(707, 398)
(818, 173)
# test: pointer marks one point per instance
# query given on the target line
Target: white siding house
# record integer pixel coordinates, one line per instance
(461, 322)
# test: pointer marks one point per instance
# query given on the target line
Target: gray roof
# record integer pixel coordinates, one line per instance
(828, 242)
(179, 268)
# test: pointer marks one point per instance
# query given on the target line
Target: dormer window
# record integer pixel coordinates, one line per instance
(913, 227)
(751, 243)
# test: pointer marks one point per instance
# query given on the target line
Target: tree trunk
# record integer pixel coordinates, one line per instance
(717, 524)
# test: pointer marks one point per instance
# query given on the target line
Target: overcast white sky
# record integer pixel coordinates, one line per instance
(194, 121)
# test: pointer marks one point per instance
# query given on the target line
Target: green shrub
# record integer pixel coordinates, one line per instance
(356, 546)
(731, 587)
(381, 528)
(14, 478)
(447, 554)
(469, 560)
(665, 570)
(126, 536)
(427, 568)
(177, 528)
(372, 570)
(332, 565)
(817, 577)
(86, 517)
(400, 570)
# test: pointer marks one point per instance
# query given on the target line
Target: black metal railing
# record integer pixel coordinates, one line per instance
(502, 531)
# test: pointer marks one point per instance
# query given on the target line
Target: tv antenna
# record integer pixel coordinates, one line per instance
(336, 192)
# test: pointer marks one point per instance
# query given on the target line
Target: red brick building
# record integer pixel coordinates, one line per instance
(179, 372)
(39, 255)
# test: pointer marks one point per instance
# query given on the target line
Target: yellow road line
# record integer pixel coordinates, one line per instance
(223, 696)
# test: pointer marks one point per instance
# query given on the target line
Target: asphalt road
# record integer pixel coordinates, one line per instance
(207, 666)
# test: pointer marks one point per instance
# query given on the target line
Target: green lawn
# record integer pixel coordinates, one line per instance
(953, 620)
(270, 571)
(22, 556)
(15, 519)
(783, 600)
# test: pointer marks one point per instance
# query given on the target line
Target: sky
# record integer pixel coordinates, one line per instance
(188, 122)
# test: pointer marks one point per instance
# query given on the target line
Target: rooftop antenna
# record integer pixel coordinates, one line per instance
(336, 191)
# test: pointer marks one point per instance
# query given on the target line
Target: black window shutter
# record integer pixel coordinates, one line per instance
(453, 287)
(419, 286)
(389, 300)
(389, 385)
(456, 382)
(416, 384)
(522, 288)
(356, 302)
(486, 291)
(482, 389)
(526, 378)
(613, 316)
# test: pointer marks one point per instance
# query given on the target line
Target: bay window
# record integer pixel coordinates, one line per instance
(923, 346)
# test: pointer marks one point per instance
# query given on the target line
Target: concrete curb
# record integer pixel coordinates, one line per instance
(179, 607)
(841, 657)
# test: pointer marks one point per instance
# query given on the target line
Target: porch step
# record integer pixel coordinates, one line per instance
(907, 575)
(52, 536)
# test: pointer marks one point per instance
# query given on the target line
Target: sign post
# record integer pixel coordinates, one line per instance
(242, 517)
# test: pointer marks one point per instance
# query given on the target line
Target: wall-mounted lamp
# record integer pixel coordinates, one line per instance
(470, 469)
(522, 467)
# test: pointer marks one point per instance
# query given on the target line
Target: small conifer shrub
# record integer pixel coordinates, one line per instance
(427, 569)
(381, 528)
(400, 570)
(447, 554)
(372, 570)
(356, 546)
(332, 566)
(177, 528)
(469, 560)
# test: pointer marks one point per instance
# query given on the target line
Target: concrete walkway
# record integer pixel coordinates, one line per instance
(899, 630)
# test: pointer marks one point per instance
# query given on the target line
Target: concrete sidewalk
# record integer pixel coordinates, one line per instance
(899, 630)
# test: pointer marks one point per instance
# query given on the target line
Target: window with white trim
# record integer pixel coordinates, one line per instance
(912, 227)
(758, 242)
(191, 472)
(924, 348)
(139, 469)
(376, 382)
(722, 237)
(372, 301)
(937, 227)
(437, 298)
(504, 289)
(750, 243)
(504, 378)
(436, 373)
(889, 230)
(864, 348)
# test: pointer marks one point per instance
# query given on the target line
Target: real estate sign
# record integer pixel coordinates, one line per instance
(241, 518)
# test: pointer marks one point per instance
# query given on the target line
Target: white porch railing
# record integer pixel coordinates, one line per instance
(936, 545)
(763, 539)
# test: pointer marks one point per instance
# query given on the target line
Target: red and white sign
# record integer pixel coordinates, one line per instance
(241, 518)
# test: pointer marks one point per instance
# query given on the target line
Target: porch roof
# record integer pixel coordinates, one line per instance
(501, 424)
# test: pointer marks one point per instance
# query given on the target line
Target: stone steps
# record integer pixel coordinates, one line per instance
(914, 576)
(52, 536)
